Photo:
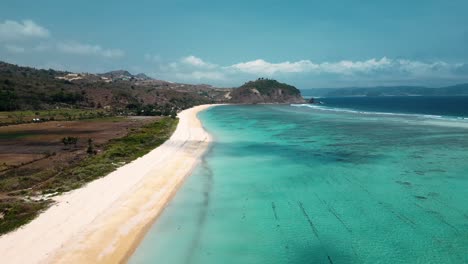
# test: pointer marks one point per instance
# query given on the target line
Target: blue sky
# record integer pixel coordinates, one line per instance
(225, 43)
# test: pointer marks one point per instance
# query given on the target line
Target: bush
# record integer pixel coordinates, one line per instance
(70, 141)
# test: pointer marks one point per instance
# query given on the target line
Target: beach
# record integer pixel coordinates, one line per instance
(104, 221)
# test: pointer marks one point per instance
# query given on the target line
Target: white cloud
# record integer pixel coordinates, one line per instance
(196, 62)
(87, 49)
(14, 48)
(372, 66)
(192, 68)
(350, 67)
(12, 30)
(263, 67)
(342, 67)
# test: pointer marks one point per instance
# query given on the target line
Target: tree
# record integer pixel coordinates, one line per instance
(67, 141)
(90, 150)
(173, 114)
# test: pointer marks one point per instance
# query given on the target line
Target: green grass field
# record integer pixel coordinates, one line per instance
(19, 117)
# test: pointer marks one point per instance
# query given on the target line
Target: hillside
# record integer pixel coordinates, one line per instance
(266, 91)
(120, 92)
(460, 89)
(25, 88)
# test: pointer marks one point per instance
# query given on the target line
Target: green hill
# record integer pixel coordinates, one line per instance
(266, 91)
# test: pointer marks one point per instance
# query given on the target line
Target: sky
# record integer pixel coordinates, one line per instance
(309, 44)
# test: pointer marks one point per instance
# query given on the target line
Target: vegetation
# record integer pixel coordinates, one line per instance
(90, 150)
(14, 213)
(121, 93)
(16, 210)
(67, 141)
(266, 91)
(117, 153)
(29, 95)
(267, 86)
(66, 114)
(24, 88)
(67, 97)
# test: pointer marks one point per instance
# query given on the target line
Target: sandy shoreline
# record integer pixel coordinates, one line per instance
(104, 221)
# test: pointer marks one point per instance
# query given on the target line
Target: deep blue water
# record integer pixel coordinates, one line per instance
(450, 106)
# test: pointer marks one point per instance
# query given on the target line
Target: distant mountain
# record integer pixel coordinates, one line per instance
(460, 89)
(116, 74)
(124, 75)
(143, 76)
(266, 91)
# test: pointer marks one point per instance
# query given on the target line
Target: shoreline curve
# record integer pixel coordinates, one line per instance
(104, 221)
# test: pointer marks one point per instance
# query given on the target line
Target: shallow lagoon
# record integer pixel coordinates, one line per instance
(284, 184)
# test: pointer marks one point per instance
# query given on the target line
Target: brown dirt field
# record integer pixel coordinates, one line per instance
(14, 160)
(37, 146)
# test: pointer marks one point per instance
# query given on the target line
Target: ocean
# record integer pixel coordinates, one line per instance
(344, 182)
(446, 106)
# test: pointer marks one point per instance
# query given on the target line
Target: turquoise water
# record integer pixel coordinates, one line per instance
(285, 184)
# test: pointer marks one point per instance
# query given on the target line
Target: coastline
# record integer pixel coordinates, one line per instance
(104, 221)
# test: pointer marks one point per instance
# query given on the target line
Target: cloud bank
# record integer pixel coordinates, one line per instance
(196, 62)
(27, 29)
(344, 67)
(192, 68)
(27, 36)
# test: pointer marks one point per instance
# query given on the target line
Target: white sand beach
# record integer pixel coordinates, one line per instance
(105, 220)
